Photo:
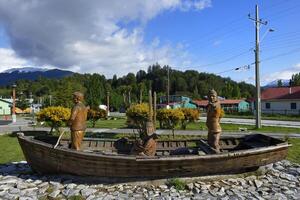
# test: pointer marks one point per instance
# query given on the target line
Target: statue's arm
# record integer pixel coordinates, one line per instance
(73, 114)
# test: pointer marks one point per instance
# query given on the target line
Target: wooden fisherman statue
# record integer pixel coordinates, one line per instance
(147, 145)
(213, 120)
(77, 120)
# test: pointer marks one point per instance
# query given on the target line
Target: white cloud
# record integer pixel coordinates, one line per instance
(284, 74)
(91, 36)
(9, 59)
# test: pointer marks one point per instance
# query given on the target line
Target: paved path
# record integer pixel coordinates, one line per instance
(278, 123)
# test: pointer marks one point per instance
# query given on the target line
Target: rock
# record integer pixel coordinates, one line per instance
(70, 186)
(81, 187)
(66, 192)
(26, 198)
(163, 187)
(288, 177)
(87, 192)
(190, 186)
(14, 191)
(258, 183)
(54, 194)
(8, 181)
(73, 193)
(91, 197)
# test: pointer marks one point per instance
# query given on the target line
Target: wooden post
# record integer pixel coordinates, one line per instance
(107, 106)
(141, 96)
(150, 107)
(14, 118)
(154, 111)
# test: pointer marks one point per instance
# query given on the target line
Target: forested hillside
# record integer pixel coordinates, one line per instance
(130, 88)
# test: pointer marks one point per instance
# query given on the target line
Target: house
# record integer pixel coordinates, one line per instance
(5, 107)
(280, 100)
(35, 107)
(228, 105)
(176, 101)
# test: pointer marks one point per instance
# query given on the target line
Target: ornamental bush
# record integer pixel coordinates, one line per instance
(190, 115)
(55, 116)
(169, 118)
(95, 114)
(137, 116)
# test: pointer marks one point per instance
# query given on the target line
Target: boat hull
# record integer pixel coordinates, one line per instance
(43, 158)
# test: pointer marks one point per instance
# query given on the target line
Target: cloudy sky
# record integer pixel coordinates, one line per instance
(121, 36)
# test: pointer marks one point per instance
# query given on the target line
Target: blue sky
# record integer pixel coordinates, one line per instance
(213, 36)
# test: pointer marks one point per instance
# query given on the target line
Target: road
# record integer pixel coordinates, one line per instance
(287, 124)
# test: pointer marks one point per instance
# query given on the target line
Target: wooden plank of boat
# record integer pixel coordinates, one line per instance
(44, 159)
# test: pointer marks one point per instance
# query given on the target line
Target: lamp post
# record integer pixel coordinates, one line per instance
(13, 116)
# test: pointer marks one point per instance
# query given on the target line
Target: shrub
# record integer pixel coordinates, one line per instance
(169, 118)
(95, 114)
(190, 115)
(55, 116)
(176, 183)
(137, 116)
(222, 114)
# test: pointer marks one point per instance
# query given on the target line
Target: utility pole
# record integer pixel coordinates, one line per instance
(107, 102)
(258, 22)
(14, 117)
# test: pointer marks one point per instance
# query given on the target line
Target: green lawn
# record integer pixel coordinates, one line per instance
(294, 151)
(121, 123)
(235, 127)
(10, 150)
(117, 123)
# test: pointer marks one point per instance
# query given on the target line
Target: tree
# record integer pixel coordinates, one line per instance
(236, 92)
(279, 83)
(22, 102)
(295, 81)
(95, 90)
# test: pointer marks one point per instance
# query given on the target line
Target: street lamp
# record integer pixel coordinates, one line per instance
(13, 116)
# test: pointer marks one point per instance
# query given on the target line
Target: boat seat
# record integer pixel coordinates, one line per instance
(254, 144)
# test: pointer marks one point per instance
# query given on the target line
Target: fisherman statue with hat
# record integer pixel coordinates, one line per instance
(213, 120)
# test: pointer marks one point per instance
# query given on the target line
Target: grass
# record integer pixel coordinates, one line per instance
(294, 151)
(235, 127)
(112, 123)
(178, 184)
(10, 149)
(121, 123)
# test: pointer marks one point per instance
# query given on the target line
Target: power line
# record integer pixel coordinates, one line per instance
(244, 67)
(225, 60)
(296, 50)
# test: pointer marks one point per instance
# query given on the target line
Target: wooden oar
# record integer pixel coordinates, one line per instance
(59, 138)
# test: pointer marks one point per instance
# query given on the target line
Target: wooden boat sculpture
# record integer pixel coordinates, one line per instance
(175, 158)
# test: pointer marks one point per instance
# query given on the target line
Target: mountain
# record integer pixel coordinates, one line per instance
(25, 69)
(285, 83)
(9, 77)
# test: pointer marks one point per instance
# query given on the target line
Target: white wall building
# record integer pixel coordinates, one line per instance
(281, 100)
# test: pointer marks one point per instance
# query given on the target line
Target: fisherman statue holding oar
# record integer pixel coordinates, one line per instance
(77, 120)
(214, 111)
